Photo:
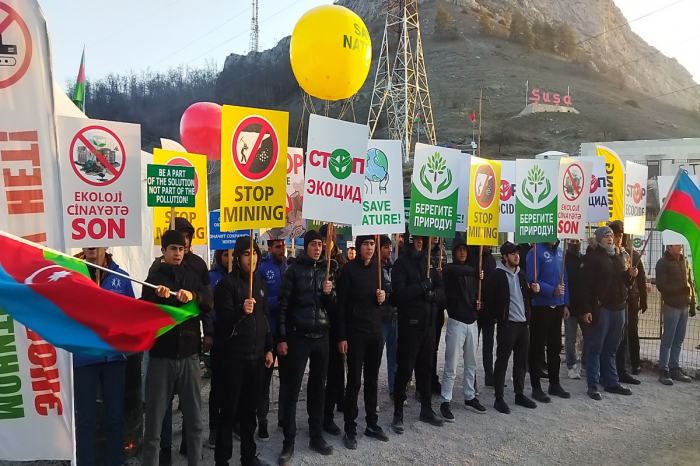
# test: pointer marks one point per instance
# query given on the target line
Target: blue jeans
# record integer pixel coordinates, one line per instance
(604, 337)
(390, 334)
(675, 323)
(111, 377)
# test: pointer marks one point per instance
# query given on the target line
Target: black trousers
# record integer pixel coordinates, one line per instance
(215, 388)
(512, 338)
(315, 351)
(364, 357)
(414, 352)
(630, 340)
(545, 329)
(335, 384)
(264, 401)
(439, 323)
(487, 327)
(240, 381)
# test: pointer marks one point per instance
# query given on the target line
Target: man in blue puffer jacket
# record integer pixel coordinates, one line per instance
(108, 372)
(548, 308)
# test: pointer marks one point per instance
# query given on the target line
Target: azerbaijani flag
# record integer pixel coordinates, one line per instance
(79, 93)
(681, 213)
(53, 295)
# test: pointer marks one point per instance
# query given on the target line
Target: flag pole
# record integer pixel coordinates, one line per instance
(377, 249)
(252, 268)
(328, 249)
(481, 255)
(430, 240)
(534, 259)
(563, 262)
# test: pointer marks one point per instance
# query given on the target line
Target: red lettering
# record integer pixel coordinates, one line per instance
(26, 155)
(41, 380)
(545, 97)
(21, 179)
(42, 354)
(567, 100)
(555, 99)
(29, 201)
(47, 401)
(535, 95)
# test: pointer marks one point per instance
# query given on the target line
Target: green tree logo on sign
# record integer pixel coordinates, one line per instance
(536, 187)
(340, 164)
(437, 167)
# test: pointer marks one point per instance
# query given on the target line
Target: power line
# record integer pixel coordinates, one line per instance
(649, 55)
(669, 93)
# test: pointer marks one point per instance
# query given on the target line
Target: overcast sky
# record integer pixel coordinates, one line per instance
(125, 35)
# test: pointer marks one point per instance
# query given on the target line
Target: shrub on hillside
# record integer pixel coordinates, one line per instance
(444, 26)
(485, 22)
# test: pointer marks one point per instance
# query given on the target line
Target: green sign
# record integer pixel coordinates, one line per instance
(171, 186)
(339, 229)
(536, 201)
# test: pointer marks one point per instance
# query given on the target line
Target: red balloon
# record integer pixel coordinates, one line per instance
(200, 129)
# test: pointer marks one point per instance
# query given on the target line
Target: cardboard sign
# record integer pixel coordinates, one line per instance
(615, 177)
(635, 216)
(222, 239)
(463, 197)
(484, 195)
(434, 191)
(572, 198)
(100, 181)
(536, 201)
(170, 186)
(296, 227)
(196, 215)
(335, 171)
(382, 202)
(598, 199)
(506, 219)
(253, 164)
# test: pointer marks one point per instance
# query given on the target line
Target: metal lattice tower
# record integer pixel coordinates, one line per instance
(402, 91)
(254, 28)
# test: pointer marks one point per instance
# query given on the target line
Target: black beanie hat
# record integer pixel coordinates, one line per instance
(310, 236)
(361, 239)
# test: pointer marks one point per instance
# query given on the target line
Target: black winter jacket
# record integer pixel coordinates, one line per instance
(358, 309)
(302, 306)
(573, 272)
(496, 295)
(605, 281)
(416, 306)
(389, 313)
(184, 339)
(461, 289)
(637, 294)
(197, 266)
(674, 281)
(241, 335)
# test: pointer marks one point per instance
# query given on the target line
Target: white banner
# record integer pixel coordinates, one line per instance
(382, 201)
(598, 200)
(635, 216)
(572, 199)
(36, 403)
(335, 168)
(463, 194)
(296, 226)
(506, 222)
(100, 176)
(664, 185)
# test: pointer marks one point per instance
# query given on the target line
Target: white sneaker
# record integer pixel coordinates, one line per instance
(574, 372)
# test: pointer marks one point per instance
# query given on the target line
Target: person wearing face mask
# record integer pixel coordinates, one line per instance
(571, 325)
(606, 279)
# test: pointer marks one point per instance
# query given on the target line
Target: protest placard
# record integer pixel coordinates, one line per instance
(572, 197)
(536, 201)
(485, 182)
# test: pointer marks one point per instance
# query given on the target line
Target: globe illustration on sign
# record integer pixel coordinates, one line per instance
(376, 171)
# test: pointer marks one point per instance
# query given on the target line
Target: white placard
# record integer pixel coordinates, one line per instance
(100, 181)
(463, 195)
(506, 222)
(335, 167)
(635, 214)
(572, 199)
(598, 210)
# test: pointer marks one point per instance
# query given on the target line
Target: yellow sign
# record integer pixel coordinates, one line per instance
(484, 202)
(615, 180)
(253, 168)
(196, 215)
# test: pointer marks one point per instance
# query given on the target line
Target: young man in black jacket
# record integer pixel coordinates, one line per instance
(390, 326)
(486, 321)
(174, 359)
(415, 295)
(606, 278)
(571, 325)
(305, 303)
(462, 334)
(509, 297)
(243, 328)
(361, 295)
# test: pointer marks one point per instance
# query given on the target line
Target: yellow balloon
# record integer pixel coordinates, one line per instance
(331, 52)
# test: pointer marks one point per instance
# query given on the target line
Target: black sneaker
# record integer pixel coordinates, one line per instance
(319, 445)
(428, 415)
(501, 406)
(618, 390)
(165, 457)
(626, 378)
(397, 424)
(540, 396)
(263, 434)
(665, 378)
(331, 427)
(525, 402)
(350, 442)
(376, 433)
(594, 394)
(475, 406)
(558, 390)
(637, 370)
(286, 455)
(446, 413)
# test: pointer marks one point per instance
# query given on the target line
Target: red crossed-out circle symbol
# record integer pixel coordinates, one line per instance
(91, 163)
(573, 173)
(183, 162)
(8, 60)
(255, 148)
(506, 190)
(637, 193)
(484, 185)
(594, 184)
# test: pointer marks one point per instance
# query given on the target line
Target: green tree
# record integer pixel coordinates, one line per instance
(549, 34)
(484, 22)
(538, 33)
(444, 27)
(520, 32)
(566, 41)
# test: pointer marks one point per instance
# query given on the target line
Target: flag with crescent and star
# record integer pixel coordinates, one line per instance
(53, 295)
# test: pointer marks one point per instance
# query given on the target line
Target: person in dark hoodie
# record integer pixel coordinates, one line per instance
(438, 257)
(486, 322)
(571, 325)
(304, 308)
(390, 330)
(462, 334)
(606, 278)
(174, 359)
(415, 294)
(243, 331)
(109, 373)
(361, 295)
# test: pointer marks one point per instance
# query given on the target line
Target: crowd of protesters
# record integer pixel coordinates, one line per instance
(340, 315)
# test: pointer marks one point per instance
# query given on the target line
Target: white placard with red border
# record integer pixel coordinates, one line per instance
(100, 165)
(506, 219)
(635, 214)
(598, 200)
(572, 201)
